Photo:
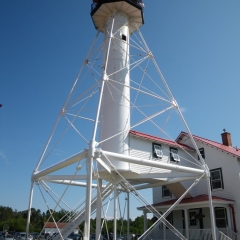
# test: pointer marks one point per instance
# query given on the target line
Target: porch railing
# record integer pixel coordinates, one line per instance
(194, 234)
(222, 236)
(201, 234)
(232, 234)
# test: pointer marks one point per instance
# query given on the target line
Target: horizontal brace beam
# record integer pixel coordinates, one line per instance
(49, 178)
(150, 163)
(60, 165)
(74, 183)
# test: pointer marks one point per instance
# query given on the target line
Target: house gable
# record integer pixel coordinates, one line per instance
(184, 138)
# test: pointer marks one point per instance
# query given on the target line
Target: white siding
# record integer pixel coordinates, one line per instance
(214, 158)
(229, 164)
(143, 149)
(157, 195)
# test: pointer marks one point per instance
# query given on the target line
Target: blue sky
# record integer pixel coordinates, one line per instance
(43, 43)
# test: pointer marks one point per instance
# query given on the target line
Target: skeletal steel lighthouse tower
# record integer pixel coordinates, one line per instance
(119, 90)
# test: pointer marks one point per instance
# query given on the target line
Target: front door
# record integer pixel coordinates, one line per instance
(193, 222)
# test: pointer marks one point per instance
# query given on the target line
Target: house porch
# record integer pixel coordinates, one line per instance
(192, 218)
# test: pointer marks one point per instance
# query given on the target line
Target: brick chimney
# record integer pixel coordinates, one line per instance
(226, 138)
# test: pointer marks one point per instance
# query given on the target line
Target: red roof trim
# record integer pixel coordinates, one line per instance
(161, 140)
(198, 199)
(231, 150)
(53, 225)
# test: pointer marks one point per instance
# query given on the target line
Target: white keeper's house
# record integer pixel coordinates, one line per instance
(192, 215)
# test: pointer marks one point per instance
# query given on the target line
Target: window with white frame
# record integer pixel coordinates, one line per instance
(174, 157)
(192, 220)
(166, 192)
(216, 178)
(157, 150)
(220, 217)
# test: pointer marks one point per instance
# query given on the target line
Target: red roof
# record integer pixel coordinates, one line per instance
(220, 146)
(53, 225)
(158, 139)
(198, 199)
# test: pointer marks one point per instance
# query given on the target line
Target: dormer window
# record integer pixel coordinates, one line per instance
(157, 151)
(174, 155)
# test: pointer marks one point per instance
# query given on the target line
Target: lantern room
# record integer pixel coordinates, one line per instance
(101, 10)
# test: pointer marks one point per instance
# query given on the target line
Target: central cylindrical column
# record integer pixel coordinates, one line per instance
(115, 109)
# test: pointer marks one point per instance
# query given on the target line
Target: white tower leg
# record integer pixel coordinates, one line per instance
(128, 216)
(212, 214)
(29, 208)
(99, 210)
(115, 212)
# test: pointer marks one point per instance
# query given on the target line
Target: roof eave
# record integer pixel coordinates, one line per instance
(160, 140)
(192, 204)
(199, 139)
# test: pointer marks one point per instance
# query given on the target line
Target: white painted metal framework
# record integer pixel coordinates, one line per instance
(87, 161)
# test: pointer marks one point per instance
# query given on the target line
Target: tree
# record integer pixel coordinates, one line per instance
(17, 221)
